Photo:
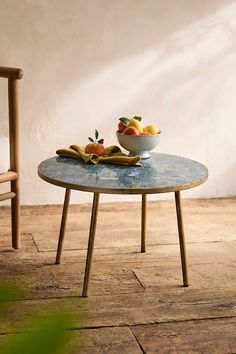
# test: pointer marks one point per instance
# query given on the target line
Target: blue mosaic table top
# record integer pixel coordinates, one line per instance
(161, 173)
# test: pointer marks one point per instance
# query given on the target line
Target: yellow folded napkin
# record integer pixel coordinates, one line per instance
(113, 155)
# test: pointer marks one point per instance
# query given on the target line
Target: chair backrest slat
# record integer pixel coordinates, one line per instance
(13, 73)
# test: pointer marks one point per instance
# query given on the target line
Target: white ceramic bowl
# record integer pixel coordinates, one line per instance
(138, 144)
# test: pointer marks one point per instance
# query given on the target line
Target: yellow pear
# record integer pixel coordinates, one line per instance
(151, 129)
(136, 123)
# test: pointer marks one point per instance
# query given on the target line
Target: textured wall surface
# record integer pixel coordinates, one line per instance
(88, 62)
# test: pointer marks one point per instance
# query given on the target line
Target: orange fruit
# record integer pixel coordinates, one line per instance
(131, 131)
(94, 148)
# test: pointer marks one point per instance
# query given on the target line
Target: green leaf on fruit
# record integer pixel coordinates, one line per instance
(96, 141)
(137, 118)
(124, 120)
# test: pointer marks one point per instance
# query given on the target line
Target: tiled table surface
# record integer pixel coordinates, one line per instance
(160, 172)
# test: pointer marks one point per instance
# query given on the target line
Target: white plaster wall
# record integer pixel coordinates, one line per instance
(89, 62)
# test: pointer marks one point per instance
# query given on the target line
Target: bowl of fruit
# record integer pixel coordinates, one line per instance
(135, 138)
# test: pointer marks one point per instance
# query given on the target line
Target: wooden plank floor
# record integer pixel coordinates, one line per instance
(136, 303)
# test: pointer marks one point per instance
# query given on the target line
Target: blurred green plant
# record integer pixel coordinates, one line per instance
(43, 334)
(8, 293)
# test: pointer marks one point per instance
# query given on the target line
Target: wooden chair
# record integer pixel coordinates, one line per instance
(12, 176)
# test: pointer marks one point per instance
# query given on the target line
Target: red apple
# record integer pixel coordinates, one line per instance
(121, 127)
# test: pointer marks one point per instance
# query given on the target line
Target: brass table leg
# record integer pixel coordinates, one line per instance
(63, 226)
(92, 231)
(13, 104)
(181, 238)
(15, 214)
(143, 223)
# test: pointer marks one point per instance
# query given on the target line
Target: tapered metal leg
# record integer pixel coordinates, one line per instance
(181, 238)
(63, 226)
(92, 231)
(143, 223)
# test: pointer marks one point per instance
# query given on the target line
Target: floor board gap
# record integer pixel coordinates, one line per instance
(139, 344)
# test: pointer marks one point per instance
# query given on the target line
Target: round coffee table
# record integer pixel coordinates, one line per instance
(161, 173)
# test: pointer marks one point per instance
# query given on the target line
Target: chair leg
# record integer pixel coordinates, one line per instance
(15, 214)
(181, 238)
(143, 223)
(92, 231)
(63, 226)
